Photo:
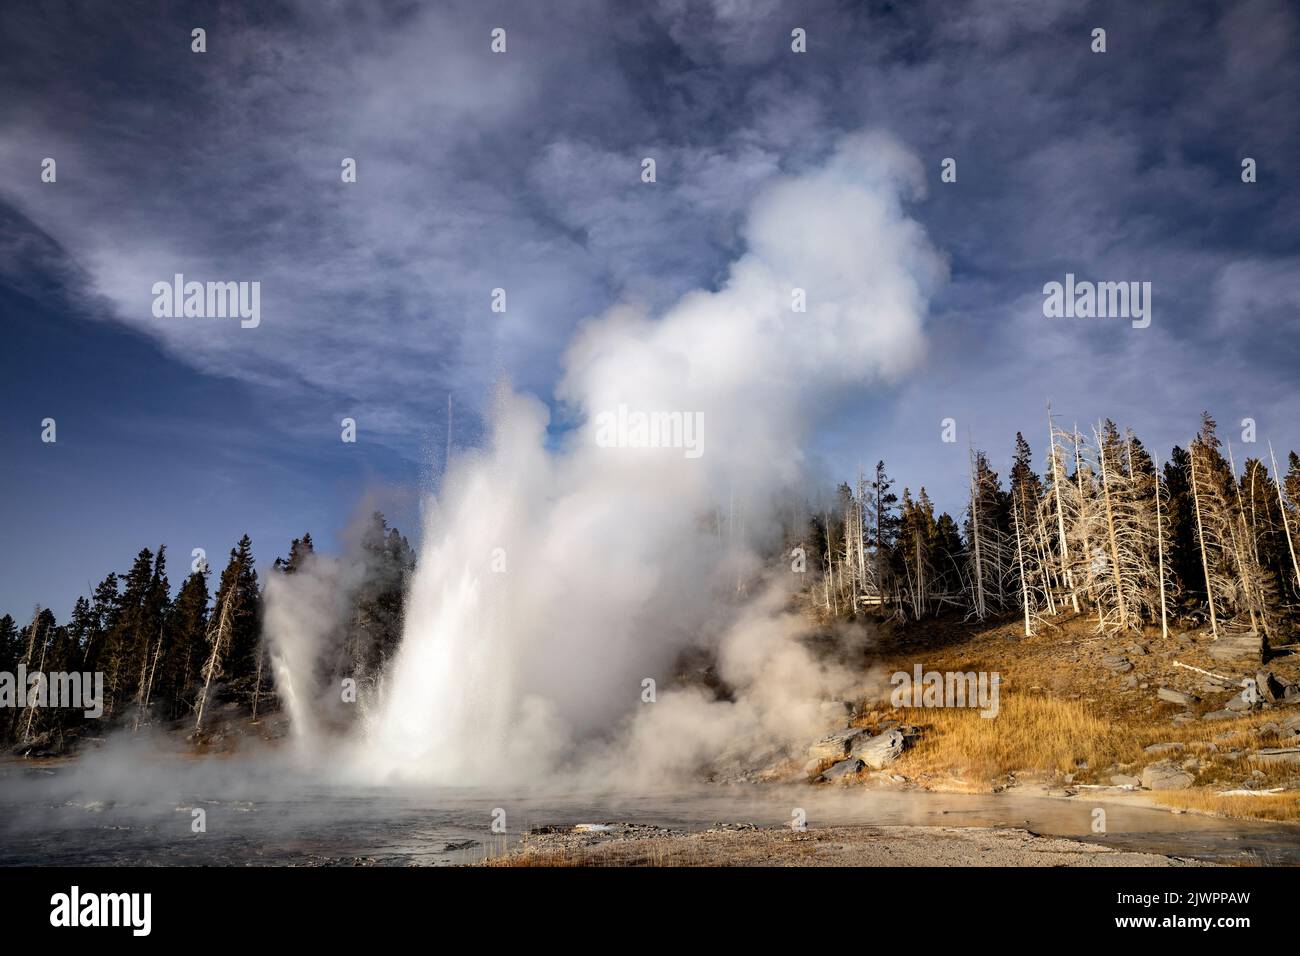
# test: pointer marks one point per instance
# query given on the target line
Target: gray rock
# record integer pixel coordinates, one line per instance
(1239, 703)
(1117, 663)
(1270, 688)
(1277, 755)
(1219, 715)
(879, 752)
(835, 746)
(1124, 780)
(1172, 747)
(1233, 646)
(1138, 650)
(1176, 696)
(842, 770)
(1166, 776)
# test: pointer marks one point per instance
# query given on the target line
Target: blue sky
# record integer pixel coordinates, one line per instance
(520, 170)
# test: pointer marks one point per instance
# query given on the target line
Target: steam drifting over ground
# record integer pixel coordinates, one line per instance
(551, 583)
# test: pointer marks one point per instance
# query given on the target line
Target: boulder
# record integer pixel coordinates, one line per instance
(1172, 747)
(1176, 696)
(1166, 776)
(1233, 646)
(1219, 715)
(1117, 663)
(1239, 703)
(835, 746)
(842, 771)
(878, 752)
(1124, 780)
(1277, 755)
(1270, 688)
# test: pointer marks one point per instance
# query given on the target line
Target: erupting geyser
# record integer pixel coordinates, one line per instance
(552, 582)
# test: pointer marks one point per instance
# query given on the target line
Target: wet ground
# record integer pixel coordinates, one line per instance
(265, 812)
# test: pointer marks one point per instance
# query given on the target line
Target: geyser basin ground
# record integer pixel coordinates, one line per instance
(260, 811)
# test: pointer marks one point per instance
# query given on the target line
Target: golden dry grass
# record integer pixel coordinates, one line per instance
(1063, 716)
(1284, 807)
(1029, 733)
(1042, 734)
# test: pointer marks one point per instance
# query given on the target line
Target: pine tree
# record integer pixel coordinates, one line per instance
(128, 633)
(881, 527)
(151, 630)
(1286, 514)
(300, 549)
(375, 629)
(184, 653)
(1231, 579)
(105, 609)
(9, 644)
(914, 552)
(1180, 517)
(81, 632)
(245, 636)
(990, 558)
(233, 631)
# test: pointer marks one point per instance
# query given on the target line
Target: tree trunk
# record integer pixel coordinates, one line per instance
(1200, 536)
(1110, 529)
(1160, 550)
(1024, 584)
(1060, 514)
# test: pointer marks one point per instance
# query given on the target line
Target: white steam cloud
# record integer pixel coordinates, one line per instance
(552, 582)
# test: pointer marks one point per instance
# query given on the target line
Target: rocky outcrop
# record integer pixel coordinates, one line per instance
(1117, 663)
(880, 751)
(1166, 776)
(842, 771)
(835, 746)
(1276, 755)
(1234, 646)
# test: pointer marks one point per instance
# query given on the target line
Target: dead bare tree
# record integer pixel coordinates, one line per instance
(32, 701)
(1233, 581)
(218, 637)
(1161, 493)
